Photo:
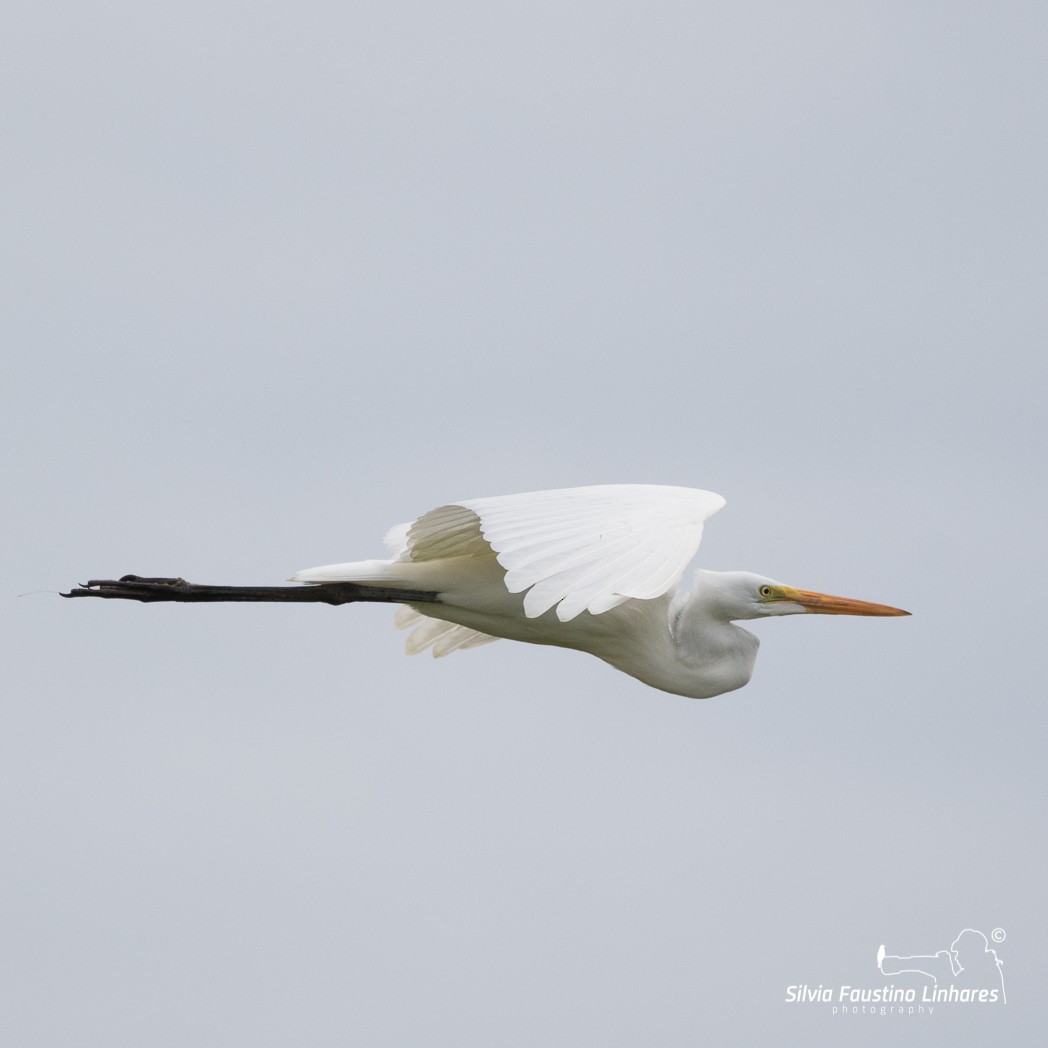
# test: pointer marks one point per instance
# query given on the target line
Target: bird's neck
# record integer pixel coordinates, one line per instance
(718, 654)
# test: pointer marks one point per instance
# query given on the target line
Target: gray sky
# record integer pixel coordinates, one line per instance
(275, 280)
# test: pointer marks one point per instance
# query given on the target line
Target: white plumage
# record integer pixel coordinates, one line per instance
(592, 568)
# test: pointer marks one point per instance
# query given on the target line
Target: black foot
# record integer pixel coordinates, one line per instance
(132, 587)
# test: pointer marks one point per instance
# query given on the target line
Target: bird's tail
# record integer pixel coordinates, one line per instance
(375, 572)
(395, 575)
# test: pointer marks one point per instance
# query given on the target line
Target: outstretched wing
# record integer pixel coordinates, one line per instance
(576, 549)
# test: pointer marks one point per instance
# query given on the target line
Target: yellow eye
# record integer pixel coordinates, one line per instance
(765, 591)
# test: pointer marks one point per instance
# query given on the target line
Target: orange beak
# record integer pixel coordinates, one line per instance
(824, 604)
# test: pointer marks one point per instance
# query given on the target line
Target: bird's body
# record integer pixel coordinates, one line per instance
(595, 569)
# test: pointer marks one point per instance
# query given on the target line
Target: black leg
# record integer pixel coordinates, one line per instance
(135, 587)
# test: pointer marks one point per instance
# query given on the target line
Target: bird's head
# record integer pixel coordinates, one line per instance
(743, 595)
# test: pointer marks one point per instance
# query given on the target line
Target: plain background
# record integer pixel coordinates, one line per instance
(278, 277)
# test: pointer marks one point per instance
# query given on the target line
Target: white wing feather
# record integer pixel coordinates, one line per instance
(442, 637)
(588, 549)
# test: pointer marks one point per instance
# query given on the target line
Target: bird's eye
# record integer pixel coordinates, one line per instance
(765, 591)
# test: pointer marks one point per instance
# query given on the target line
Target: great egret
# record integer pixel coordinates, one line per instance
(596, 569)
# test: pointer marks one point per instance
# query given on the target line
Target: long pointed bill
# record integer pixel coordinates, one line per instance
(824, 604)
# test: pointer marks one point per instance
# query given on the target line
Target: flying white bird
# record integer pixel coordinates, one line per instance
(597, 569)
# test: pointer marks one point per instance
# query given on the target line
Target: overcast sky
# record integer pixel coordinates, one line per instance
(275, 279)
